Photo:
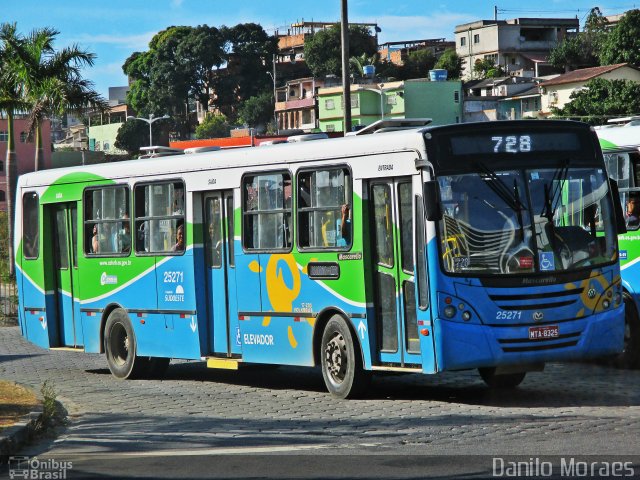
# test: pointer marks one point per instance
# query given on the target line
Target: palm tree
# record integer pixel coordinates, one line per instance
(53, 82)
(11, 101)
(358, 63)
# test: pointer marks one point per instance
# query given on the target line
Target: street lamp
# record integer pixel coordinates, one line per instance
(275, 96)
(379, 91)
(152, 118)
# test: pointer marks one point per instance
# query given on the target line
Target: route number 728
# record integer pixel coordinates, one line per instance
(512, 144)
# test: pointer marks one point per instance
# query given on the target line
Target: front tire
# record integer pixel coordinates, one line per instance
(505, 380)
(120, 347)
(341, 362)
(630, 356)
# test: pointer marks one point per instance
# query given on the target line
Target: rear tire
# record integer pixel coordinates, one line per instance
(630, 356)
(341, 362)
(120, 347)
(505, 380)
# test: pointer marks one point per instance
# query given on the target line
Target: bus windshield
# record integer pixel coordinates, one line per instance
(522, 221)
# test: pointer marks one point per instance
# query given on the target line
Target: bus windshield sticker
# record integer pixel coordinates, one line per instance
(547, 261)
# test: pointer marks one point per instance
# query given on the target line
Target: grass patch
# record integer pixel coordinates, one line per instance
(15, 401)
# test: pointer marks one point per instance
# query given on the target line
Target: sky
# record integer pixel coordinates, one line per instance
(114, 29)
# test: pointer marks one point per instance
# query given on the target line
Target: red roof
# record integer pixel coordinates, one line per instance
(584, 74)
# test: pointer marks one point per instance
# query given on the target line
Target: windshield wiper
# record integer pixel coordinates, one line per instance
(512, 200)
(551, 201)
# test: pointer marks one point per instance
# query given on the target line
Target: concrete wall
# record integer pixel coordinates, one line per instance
(75, 158)
(440, 101)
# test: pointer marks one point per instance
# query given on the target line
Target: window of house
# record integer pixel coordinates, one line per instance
(159, 218)
(4, 136)
(392, 99)
(331, 128)
(23, 137)
(107, 224)
(267, 212)
(456, 96)
(324, 204)
(476, 38)
(329, 104)
(30, 225)
(463, 41)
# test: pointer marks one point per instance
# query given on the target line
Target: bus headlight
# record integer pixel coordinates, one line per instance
(449, 311)
(466, 315)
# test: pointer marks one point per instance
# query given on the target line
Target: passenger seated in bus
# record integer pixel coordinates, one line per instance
(95, 241)
(633, 211)
(179, 246)
(125, 237)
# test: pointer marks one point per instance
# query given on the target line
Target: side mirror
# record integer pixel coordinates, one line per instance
(621, 225)
(431, 194)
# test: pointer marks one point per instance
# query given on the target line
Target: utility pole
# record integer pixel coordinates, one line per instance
(346, 83)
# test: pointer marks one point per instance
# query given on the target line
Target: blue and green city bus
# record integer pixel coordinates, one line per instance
(620, 145)
(489, 246)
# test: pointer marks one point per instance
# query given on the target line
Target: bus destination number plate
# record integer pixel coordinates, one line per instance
(543, 333)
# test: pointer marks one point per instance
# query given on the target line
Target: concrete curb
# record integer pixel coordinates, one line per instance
(14, 437)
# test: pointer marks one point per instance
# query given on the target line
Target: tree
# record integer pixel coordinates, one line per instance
(213, 126)
(256, 111)
(602, 99)
(357, 64)
(52, 81)
(183, 66)
(131, 136)
(417, 64)
(249, 57)
(487, 68)
(323, 50)
(451, 62)
(11, 101)
(622, 44)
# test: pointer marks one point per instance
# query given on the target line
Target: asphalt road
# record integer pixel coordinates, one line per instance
(281, 423)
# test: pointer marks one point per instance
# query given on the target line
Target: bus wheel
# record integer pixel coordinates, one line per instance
(341, 363)
(630, 356)
(505, 380)
(120, 347)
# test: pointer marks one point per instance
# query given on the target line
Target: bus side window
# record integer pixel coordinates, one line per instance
(324, 209)
(267, 211)
(159, 217)
(106, 212)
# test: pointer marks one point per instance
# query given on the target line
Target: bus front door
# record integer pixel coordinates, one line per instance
(222, 304)
(391, 218)
(64, 219)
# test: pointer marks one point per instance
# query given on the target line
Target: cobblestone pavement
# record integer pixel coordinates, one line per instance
(567, 409)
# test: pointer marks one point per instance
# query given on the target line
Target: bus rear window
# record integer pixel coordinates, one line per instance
(30, 225)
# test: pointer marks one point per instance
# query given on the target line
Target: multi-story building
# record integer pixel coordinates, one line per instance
(521, 45)
(397, 52)
(419, 98)
(296, 104)
(103, 127)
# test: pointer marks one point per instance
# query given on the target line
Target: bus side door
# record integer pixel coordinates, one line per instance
(222, 305)
(65, 255)
(393, 209)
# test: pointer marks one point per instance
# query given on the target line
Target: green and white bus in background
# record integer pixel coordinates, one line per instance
(620, 146)
(458, 247)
